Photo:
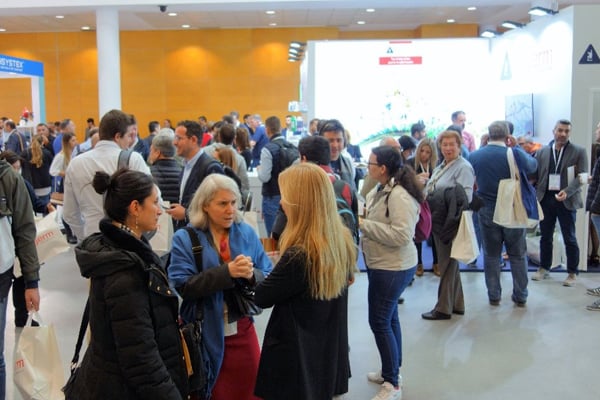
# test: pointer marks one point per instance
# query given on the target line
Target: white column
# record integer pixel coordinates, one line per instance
(109, 59)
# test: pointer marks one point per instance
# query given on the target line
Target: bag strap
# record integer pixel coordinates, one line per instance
(82, 328)
(123, 161)
(514, 170)
(197, 251)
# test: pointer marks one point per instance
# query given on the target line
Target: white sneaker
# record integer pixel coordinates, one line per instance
(376, 377)
(388, 392)
(570, 281)
(594, 291)
(540, 275)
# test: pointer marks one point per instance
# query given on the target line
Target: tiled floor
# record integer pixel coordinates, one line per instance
(546, 351)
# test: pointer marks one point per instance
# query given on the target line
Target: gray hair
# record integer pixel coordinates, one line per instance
(167, 131)
(206, 193)
(164, 144)
(498, 130)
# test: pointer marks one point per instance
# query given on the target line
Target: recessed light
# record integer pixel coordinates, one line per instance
(451, 21)
(270, 12)
(488, 33)
(471, 8)
(60, 16)
(273, 24)
(2, 30)
(186, 26)
(172, 14)
(361, 22)
(85, 28)
(370, 10)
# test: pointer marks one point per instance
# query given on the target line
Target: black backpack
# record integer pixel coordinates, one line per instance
(288, 153)
(344, 209)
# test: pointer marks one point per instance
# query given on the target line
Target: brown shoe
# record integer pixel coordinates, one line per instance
(436, 270)
(419, 270)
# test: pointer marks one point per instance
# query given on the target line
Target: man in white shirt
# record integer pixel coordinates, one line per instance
(83, 207)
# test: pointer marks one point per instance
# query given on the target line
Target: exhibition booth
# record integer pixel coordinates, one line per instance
(13, 67)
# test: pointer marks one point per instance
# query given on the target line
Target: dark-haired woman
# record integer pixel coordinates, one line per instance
(135, 350)
(391, 257)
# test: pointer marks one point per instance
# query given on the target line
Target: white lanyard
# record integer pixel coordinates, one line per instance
(556, 162)
(423, 168)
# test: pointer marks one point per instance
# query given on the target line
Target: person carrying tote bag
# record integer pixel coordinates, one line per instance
(510, 211)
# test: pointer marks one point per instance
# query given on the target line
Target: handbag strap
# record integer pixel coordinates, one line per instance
(82, 328)
(512, 165)
(197, 251)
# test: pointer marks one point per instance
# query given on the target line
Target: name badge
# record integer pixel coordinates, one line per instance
(554, 182)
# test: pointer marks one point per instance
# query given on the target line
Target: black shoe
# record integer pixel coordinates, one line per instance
(401, 300)
(518, 303)
(494, 303)
(458, 312)
(71, 239)
(435, 315)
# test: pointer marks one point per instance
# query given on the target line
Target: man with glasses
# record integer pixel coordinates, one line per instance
(197, 165)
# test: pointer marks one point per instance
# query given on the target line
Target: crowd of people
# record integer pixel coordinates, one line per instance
(116, 185)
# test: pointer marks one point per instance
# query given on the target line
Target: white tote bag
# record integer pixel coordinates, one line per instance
(464, 245)
(163, 236)
(509, 211)
(39, 371)
(49, 240)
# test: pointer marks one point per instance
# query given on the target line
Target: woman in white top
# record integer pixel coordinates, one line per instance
(59, 167)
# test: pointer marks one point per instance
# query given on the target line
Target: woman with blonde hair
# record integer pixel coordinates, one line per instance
(59, 167)
(232, 256)
(305, 349)
(424, 162)
(36, 167)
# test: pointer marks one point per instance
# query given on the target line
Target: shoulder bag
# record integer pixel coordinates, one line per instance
(509, 211)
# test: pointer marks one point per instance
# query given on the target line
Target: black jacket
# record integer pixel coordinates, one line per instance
(167, 173)
(447, 205)
(38, 177)
(135, 351)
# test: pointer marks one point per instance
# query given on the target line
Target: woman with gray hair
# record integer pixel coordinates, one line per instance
(232, 254)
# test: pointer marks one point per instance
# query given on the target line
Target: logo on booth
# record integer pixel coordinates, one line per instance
(589, 56)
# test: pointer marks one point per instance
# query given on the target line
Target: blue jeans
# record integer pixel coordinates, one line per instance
(5, 283)
(554, 210)
(385, 287)
(270, 205)
(493, 236)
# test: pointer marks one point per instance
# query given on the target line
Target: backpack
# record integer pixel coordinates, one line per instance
(288, 153)
(423, 227)
(344, 209)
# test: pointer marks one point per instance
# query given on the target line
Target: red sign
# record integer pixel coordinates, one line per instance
(400, 60)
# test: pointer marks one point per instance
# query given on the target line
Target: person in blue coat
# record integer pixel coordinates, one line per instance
(231, 254)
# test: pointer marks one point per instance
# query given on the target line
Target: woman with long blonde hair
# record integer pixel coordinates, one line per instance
(309, 291)
(36, 167)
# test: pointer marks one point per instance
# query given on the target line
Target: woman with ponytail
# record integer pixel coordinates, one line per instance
(388, 228)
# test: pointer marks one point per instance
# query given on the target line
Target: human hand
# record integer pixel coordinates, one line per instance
(50, 208)
(241, 267)
(511, 141)
(561, 196)
(32, 299)
(177, 212)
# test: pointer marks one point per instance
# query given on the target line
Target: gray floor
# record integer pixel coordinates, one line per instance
(545, 351)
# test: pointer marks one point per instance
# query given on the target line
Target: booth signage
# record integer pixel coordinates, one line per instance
(21, 66)
(400, 60)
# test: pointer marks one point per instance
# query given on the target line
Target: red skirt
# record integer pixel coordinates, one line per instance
(237, 376)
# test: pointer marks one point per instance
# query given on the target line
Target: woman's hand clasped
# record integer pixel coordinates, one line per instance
(241, 267)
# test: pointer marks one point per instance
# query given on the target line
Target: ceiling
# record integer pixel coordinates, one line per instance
(18, 16)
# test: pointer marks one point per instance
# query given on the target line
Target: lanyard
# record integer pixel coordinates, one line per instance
(423, 168)
(556, 162)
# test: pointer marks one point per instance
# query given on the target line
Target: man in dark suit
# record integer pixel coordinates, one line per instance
(197, 165)
(559, 193)
(17, 142)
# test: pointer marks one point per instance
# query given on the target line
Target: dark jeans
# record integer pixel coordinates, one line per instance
(554, 210)
(385, 287)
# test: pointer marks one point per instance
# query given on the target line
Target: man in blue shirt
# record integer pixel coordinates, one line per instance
(490, 164)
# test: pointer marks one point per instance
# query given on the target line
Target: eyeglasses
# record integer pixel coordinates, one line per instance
(374, 163)
(177, 138)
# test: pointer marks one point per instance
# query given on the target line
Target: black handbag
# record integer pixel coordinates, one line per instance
(192, 331)
(242, 296)
(69, 387)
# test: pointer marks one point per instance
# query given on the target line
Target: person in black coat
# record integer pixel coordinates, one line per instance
(135, 350)
(164, 168)
(305, 349)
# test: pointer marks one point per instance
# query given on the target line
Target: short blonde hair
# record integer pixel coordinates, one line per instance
(206, 193)
(450, 135)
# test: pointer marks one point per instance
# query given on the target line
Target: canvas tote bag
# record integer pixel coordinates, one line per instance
(510, 211)
(464, 246)
(39, 371)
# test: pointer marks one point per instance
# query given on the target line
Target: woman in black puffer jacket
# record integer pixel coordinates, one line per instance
(135, 350)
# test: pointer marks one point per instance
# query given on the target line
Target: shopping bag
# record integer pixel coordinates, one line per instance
(509, 210)
(49, 240)
(163, 236)
(464, 246)
(39, 371)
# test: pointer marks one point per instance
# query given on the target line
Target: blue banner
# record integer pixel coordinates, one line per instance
(21, 66)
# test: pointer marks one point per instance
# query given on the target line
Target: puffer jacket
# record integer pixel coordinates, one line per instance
(167, 173)
(135, 351)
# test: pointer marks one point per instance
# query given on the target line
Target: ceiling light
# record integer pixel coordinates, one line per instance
(297, 45)
(172, 14)
(370, 10)
(85, 28)
(294, 51)
(186, 26)
(361, 22)
(292, 59)
(541, 11)
(270, 12)
(273, 24)
(471, 8)
(512, 24)
(2, 30)
(451, 20)
(488, 33)
(60, 16)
